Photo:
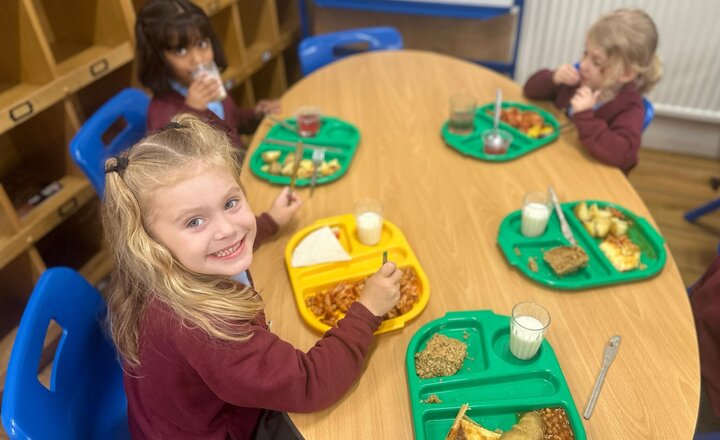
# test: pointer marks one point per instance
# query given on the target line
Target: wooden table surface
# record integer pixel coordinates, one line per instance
(449, 207)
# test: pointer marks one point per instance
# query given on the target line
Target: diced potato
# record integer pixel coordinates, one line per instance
(582, 212)
(287, 169)
(602, 227)
(275, 168)
(289, 158)
(270, 156)
(265, 168)
(590, 226)
(618, 227)
(307, 164)
(603, 213)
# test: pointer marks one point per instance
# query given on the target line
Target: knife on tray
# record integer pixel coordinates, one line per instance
(296, 167)
(567, 233)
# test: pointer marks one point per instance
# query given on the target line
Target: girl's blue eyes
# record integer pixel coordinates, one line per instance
(231, 203)
(198, 221)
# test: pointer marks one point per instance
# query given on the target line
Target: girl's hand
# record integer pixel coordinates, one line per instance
(566, 74)
(584, 99)
(265, 106)
(284, 206)
(202, 91)
(382, 290)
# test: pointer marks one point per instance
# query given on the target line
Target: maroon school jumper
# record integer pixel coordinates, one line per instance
(612, 133)
(189, 386)
(705, 302)
(237, 120)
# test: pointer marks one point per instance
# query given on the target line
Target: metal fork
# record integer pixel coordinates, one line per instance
(318, 156)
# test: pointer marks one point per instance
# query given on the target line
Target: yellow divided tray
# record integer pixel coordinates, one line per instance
(366, 260)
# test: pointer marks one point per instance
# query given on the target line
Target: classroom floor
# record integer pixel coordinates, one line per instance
(670, 184)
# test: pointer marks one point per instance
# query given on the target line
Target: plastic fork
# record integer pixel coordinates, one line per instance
(318, 156)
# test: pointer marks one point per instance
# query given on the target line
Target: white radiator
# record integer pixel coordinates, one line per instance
(553, 32)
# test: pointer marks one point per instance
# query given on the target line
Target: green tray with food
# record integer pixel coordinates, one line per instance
(274, 159)
(531, 128)
(463, 378)
(613, 246)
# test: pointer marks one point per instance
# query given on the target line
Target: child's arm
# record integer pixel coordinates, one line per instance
(556, 85)
(616, 142)
(279, 214)
(267, 372)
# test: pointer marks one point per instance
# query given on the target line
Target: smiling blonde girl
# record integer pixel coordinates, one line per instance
(200, 361)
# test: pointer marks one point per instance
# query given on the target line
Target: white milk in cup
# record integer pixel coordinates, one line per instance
(369, 221)
(528, 324)
(211, 70)
(535, 214)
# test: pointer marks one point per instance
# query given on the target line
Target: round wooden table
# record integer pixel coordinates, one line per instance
(449, 207)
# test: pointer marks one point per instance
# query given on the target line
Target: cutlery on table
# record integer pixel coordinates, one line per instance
(305, 145)
(610, 351)
(318, 156)
(567, 233)
(296, 167)
(281, 122)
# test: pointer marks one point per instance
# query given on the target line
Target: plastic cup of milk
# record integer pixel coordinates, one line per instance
(528, 325)
(211, 70)
(535, 213)
(369, 221)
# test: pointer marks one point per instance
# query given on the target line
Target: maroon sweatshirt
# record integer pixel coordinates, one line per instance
(190, 386)
(705, 302)
(163, 108)
(612, 133)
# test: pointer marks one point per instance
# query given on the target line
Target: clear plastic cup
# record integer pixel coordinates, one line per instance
(528, 325)
(369, 221)
(536, 210)
(211, 70)
(496, 141)
(462, 114)
(308, 121)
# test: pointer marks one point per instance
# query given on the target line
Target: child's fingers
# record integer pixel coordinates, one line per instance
(388, 269)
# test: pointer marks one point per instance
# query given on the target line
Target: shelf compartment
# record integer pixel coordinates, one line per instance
(91, 97)
(288, 18)
(226, 24)
(259, 29)
(95, 26)
(76, 240)
(212, 7)
(269, 82)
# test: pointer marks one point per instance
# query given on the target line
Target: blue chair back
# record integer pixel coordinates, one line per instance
(86, 399)
(649, 112)
(707, 435)
(318, 50)
(87, 147)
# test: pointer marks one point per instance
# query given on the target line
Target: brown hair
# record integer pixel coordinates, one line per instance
(629, 38)
(165, 25)
(144, 268)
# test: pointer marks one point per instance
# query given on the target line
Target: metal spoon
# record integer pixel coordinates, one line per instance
(496, 141)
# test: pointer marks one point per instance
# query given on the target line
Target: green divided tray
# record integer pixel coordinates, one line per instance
(472, 144)
(599, 271)
(342, 137)
(497, 386)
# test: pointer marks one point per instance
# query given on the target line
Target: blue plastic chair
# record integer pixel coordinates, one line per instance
(86, 399)
(319, 50)
(707, 436)
(87, 147)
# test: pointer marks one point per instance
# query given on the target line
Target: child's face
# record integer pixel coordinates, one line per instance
(206, 223)
(592, 66)
(184, 60)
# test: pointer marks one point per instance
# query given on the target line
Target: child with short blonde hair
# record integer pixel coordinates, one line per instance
(200, 361)
(604, 95)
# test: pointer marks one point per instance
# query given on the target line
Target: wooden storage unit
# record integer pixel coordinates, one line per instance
(57, 69)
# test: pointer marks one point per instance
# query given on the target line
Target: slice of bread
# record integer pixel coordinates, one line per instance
(564, 260)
